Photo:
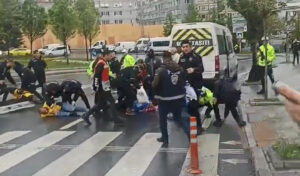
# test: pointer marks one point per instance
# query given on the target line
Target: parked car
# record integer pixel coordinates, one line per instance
(141, 44)
(20, 52)
(47, 47)
(99, 44)
(124, 47)
(57, 51)
(160, 44)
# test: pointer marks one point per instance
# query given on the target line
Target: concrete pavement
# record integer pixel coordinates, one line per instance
(268, 124)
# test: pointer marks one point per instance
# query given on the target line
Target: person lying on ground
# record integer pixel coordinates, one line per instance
(61, 110)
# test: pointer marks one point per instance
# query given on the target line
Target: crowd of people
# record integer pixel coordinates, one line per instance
(173, 83)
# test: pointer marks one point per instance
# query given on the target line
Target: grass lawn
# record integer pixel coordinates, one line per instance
(56, 63)
(287, 151)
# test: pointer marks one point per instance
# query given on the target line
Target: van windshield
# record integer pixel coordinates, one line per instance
(161, 43)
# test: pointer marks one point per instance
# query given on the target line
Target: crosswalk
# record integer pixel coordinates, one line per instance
(78, 155)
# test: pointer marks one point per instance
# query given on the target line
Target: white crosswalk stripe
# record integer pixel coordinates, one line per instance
(138, 158)
(69, 162)
(8, 136)
(16, 156)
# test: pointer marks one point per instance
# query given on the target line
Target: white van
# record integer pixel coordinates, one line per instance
(124, 47)
(212, 42)
(160, 44)
(57, 51)
(47, 47)
(142, 44)
(99, 44)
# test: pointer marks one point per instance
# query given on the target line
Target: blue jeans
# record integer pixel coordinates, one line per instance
(68, 110)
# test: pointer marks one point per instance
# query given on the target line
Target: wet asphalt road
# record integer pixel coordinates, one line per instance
(162, 163)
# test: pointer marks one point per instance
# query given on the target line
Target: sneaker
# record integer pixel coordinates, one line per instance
(86, 119)
(207, 116)
(217, 123)
(242, 124)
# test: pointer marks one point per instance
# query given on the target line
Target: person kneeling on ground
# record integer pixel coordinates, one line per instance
(226, 93)
(61, 110)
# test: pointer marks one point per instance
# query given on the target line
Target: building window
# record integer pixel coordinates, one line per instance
(120, 21)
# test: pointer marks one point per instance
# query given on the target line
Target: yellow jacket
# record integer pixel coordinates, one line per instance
(52, 110)
(19, 94)
(270, 53)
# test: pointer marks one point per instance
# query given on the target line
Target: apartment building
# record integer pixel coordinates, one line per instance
(155, 11)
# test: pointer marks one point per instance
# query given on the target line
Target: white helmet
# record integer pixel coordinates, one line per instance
(263, 38)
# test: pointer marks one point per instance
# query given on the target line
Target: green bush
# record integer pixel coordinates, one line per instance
(287, 151)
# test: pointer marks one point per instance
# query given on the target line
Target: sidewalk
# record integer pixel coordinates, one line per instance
(268, 124)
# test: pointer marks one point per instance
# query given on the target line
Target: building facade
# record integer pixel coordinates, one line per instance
(117, 11)
(205, 6)
(155, 11)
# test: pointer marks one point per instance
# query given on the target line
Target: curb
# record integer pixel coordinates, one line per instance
(258, 158)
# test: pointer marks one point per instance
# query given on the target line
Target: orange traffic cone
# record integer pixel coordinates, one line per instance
(194, 147)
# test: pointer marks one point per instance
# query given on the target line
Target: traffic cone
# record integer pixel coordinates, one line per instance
(194, 147)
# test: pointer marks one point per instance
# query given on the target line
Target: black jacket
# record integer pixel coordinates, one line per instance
(129, 77)
(27, 76)
(193, 60)
(226, 92)
(5, 73)
(52, 90)
(38, 66)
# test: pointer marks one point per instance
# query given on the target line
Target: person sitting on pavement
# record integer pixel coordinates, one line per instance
(73, 87)
(226, 93)
(61, 110)
(169, 82)
(28, 79)
(129, 81)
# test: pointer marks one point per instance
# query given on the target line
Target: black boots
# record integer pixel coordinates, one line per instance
(217, 123)
(165, 142)
(85, 117)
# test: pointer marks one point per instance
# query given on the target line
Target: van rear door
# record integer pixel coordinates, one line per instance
(202, 41)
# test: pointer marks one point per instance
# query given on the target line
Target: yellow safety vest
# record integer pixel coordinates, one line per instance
(270, 53)
(208, 99)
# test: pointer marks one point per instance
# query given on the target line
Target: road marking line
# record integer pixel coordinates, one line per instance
(208, 148)
(8, 136)
(232, 143)
(138, 158)
(15, 107)
(235, 161)
(71, 124)
(16, 156)
(232, 151)
(72, 160)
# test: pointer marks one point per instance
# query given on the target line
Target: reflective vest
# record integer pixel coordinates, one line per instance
(19, 95)
(128, 61)
(270, 53)
(105, 75)
(90, 70)
(52, 111)
(208, 98)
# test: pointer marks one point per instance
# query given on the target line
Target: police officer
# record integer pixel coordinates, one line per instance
(101, 85)
(5, 72)
(261, 62)
(52, 90)
(70, 88)
(28, 79)
(193, 68)
(169, 85)
(39, 67)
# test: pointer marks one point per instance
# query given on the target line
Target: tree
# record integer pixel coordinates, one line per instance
(255, 12)
(193, 15)
(10, 19)
(168, 25)
(34, 23)
(88, 21)
(63, 21)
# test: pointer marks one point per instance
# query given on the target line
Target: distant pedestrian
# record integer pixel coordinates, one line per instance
(261, 62)
(39, 66)
(295, 49)
(175, 54)
(169, 86)
(193, 67)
